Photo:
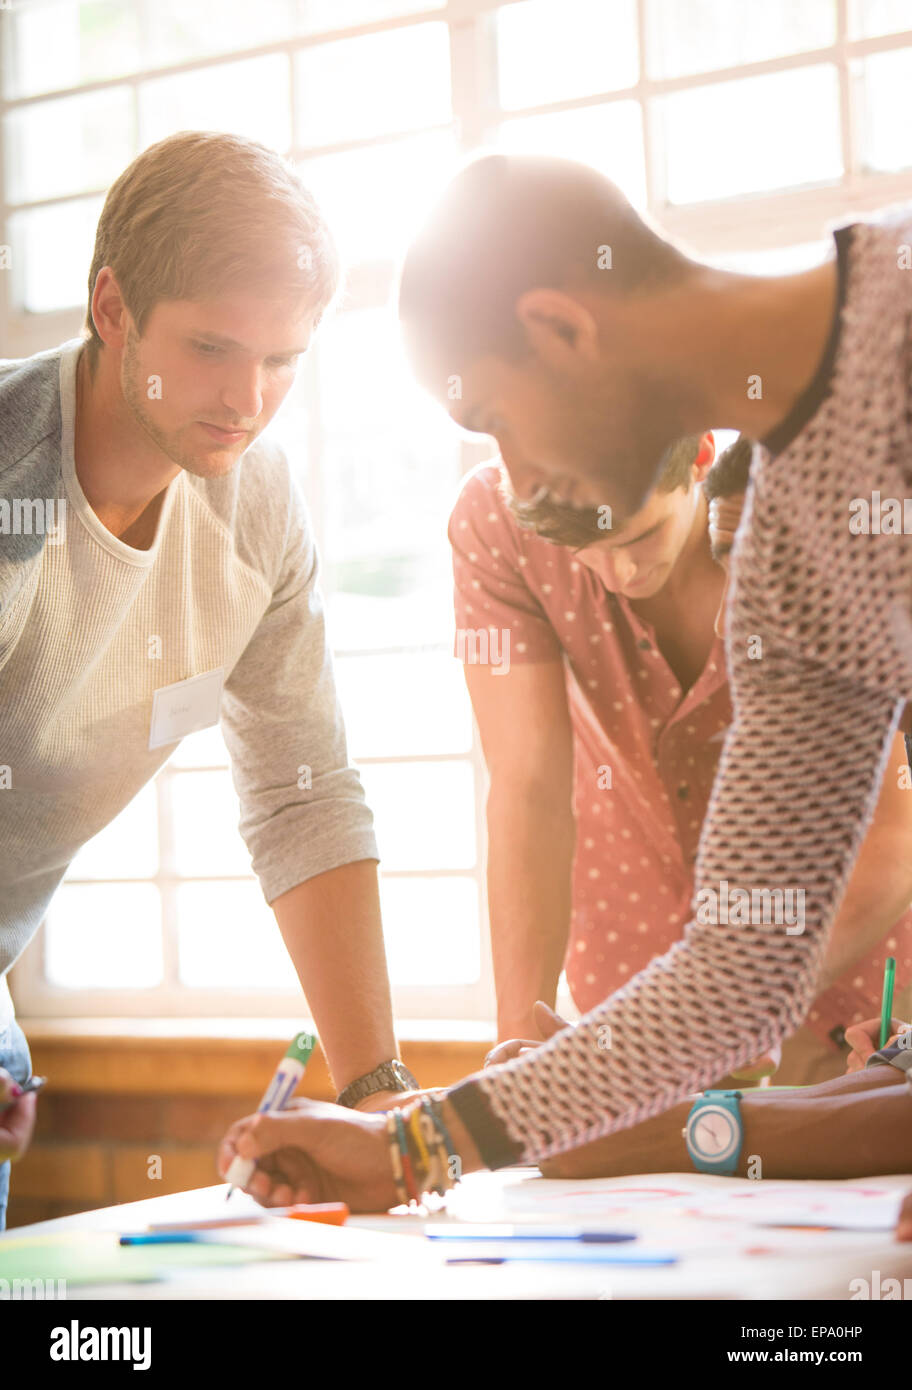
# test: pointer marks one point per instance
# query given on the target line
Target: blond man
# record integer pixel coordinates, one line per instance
(178, 582)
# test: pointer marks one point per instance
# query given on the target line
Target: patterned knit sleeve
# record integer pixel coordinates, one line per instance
(796, 789)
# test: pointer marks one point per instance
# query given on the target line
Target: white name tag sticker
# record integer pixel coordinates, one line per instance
(186, 707)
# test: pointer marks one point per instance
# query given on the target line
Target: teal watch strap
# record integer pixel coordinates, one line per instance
(714, 1132)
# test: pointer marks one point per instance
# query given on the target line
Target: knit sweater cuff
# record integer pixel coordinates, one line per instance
(496, 1147)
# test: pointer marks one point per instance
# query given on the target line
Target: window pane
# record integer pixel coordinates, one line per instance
(373, 85)
(886, 130)
(431, 930)
(127, 847)
(203, 749)
(554, 50)
(51, 255)
(778, 260)
(228, 938)
(50, 44)
(395, 706)
(391, 470)
(705, 34)
(425, 814)
(104, 936)
(204, 808)
(316, 16)
(177, 32)
(375, 198)
(753, 135)
(868, 18)
(609, 137)
(248, 98)
(68, 146)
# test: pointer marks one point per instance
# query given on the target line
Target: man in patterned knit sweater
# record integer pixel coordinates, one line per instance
(617, 665)
(547, 313)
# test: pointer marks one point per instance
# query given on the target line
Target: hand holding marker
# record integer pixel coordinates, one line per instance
(278, 1093)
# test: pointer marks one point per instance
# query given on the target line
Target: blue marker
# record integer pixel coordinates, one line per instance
(165, 1238)
(511, 1233)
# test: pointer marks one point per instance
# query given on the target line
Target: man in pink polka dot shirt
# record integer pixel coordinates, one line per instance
(608, 705)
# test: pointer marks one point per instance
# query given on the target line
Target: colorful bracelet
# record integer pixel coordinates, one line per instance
(408, 1172)
(422, 1154)
(392, 1135)
(436, 1166)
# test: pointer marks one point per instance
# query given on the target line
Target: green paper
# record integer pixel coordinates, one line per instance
(97, 1257)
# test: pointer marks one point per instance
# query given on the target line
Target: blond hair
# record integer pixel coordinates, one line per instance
(202, 212)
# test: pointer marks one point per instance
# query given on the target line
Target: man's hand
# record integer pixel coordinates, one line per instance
(864, 1040)
(546, 1021)
(763, 1066)
(17, 1118)
(314, 1152)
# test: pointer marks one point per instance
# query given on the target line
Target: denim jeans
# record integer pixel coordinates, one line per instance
(14, 1056)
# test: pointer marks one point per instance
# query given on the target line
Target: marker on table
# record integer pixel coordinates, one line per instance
(568, 1253)
(512, 1233)
(165, 1238)
(886, 1004)
(188, 1232)
(278, 1093)
(327, 1213)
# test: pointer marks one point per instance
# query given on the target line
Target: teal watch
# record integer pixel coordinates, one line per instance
(714, 1132)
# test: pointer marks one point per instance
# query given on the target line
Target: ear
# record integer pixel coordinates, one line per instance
(706, 454)
(108, 309)
(558, 327)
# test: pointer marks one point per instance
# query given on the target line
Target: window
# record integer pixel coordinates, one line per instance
(744, 129)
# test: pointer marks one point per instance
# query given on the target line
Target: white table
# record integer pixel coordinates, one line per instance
(720, 1258)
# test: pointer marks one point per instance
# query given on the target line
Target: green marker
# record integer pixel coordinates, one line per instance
(278, 1094)
(886, 1005)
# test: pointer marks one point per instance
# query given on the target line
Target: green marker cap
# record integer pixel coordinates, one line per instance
(301, 1047)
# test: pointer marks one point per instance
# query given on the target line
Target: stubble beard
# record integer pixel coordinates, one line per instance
(203, 466)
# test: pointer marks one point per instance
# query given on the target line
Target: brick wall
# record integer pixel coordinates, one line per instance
(93, 1151)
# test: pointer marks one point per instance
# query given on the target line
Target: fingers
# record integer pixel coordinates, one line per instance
(904, 1224)
(17, 1122)
(505, 1050)
(10, 1089)
(760, 1067)
(547, 1021)
(864, 1039)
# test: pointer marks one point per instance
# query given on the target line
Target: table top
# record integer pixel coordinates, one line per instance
(721, 1254)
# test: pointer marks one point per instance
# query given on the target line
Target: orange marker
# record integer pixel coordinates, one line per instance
(329, 1213)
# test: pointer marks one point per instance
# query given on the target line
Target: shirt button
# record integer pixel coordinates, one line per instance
(683, 791)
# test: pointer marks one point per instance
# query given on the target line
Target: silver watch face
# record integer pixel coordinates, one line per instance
(714, 1133)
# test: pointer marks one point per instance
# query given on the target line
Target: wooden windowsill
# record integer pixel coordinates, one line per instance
(221, 1056)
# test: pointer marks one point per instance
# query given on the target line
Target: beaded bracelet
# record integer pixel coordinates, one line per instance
(408, 1172)
(437, 1165)
(422, 1154)
(453, 1160)
(392, 1135)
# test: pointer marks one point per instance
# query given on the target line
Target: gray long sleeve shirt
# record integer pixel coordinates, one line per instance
(90, 628)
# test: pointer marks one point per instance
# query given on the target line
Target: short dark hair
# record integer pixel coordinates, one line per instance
(730, 474)
(511, 223)
(582, 526)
